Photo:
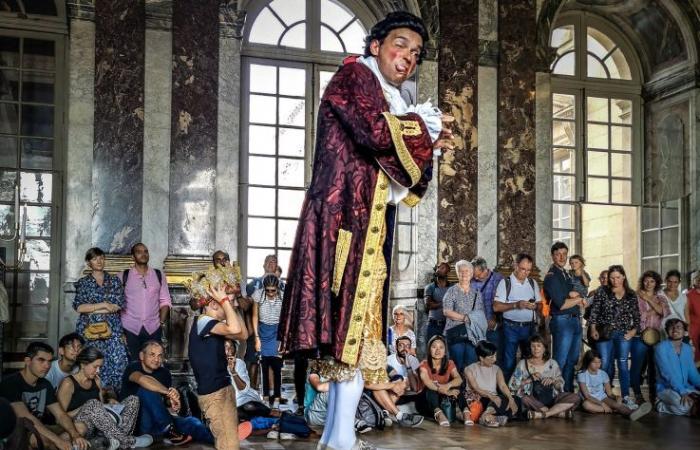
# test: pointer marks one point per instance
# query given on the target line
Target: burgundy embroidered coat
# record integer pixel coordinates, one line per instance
(359, 143)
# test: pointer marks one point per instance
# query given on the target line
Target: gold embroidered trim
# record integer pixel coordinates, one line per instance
(333, 370)
(342, 249)
(411, 200)
(410, 128)
(396, 128)
(373, 361)
(371, 251)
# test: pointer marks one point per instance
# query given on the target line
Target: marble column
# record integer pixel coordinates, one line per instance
(193, 160)
(516, 129)
(117, 173)
(694, 176)
(458, 170)
(543, 172)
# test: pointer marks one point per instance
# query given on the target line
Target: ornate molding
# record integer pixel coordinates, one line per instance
(231, 20)
(81, 9)
(159, 14)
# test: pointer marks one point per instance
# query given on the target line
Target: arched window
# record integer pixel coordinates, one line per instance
(596, 142)
(291, 50)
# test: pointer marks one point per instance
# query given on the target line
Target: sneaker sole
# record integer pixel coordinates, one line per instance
(245, 429)
(643, 410)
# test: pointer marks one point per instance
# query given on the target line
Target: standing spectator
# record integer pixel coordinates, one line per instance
(678, 384)
(463, 307)
(266, 318)
(146, 302)
(99, 297)
(68, 348)
(676, 298)
(442, 382)
(486, 281)
(614, 322)
(653, 308)
(692, 314)
(32, 397)
(565, 314)
(434, 293)
(400, 328)
(517, 297)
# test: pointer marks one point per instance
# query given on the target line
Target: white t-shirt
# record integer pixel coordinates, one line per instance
(518, 291)
(677, 306)
(595, 383)
(246, 394)
(56, 375)
(393, 361)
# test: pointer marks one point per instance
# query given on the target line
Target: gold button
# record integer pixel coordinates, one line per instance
(366, 273)
(375, 229)
(352, 341)
(358, 318)
(361, 294)
(370, 251)
(379, 207)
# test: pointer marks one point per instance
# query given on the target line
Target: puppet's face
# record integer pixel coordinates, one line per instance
(397, 56)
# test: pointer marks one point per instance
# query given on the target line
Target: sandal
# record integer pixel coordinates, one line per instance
(489, 421)
(532, 415)
(441, 419)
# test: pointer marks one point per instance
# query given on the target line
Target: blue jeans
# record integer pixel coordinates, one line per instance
(154, 419)
(434, 328)
(617, 349)
(566, 343)
(463, 354)
(496, 338)
(643, 358)
(515, 336)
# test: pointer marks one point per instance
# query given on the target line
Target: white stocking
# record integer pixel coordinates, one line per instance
(347, 397)
(328, 426)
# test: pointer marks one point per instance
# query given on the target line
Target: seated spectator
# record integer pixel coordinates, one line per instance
(678, 381)
(538, 382)
(68, 348)
(32, 397)
(248, 401)
(266, 319)
(387, 394)
(151, 382)
(404, 364)
(316, 399)
(400, 328)
(441, 379)
(484, 381)
(595, 390)
(80, 395)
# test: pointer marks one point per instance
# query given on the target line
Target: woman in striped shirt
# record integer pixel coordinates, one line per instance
(266, 317)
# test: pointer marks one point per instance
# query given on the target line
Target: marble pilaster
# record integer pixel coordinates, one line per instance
(543, 173)
(487, 242)
(156, 143)
(694, 173)
(516, 130)
(458, 170)
(117, 172)
(193, 160)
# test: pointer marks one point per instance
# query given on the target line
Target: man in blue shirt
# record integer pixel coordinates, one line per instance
(678, 380)
(565, 312)
(485, 281)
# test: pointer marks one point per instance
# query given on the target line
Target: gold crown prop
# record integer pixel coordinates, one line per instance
(199, 284)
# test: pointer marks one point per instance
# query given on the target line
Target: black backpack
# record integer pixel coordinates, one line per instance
(370, 412)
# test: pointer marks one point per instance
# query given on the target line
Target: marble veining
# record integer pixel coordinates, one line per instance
(117, 173)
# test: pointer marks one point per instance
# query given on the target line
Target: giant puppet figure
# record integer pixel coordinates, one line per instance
(372, 151)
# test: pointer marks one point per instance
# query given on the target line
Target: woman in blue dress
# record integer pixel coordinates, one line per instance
(99, 299)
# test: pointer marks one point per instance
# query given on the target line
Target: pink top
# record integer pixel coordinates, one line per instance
(648, 318)
(143, 297)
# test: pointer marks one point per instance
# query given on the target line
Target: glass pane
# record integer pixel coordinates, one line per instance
(563, 187)
(286, 231)
(289, 203)
(263, 79)
(566, 237)
(266, 29)
(598, 190)
(283, 258)
(38, 254)
(669, 241)
(261, 201)
(621, 191)
(619, 62)
(35, 187)
(292, 81)
(292, 142)
(595, 47)
(37, 153)
(621, 111)
(38, 221)
(563, 215)
(650, 264)
(595, 68)
(563, 36)
(9, 113)
(290, 11)
(8, 151)
(597, 163)
(621, 138)
(354, 38)
(334, 15)
(291, 172)
(43, 7)
(597, 109)
(566, 65)
(31, 322)
(670, 263)
(261, 232)
(669, 214)
(9, 51)
(261, 140)
(37, 87)
(7, 185)
(37, 120)
(263, 109)
(563, 106)
(650, 243)
(9, 85)
(650, 217)
(39, 288)
(621, 165)
(597, 136)
(329, 41)
(563, 133)
(563, 160)
(324, 79)
(261, 170)
(38, 54)
(256, 258)
(292, 111)
(7, 221)
(295, 37)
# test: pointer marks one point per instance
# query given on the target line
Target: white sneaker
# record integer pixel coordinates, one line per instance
(287, 436)
(274, 434)
(628, 402)
(143, 441)
(113, 444)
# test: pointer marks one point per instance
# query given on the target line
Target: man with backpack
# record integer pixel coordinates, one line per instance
(146, 302)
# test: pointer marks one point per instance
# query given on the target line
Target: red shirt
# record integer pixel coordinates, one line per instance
(442, 379)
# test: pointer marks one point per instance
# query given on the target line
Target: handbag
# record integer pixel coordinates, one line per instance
(651, 336)
(98, 331)
(458, 334)
(544, 394)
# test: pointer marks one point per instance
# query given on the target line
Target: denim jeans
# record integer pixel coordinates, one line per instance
(642, 358)
(463, 354)
(566, 345)
(496, 338)
(617, 349)
(154, 419)
(434, 328)
(135, 341)
(515, 336)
